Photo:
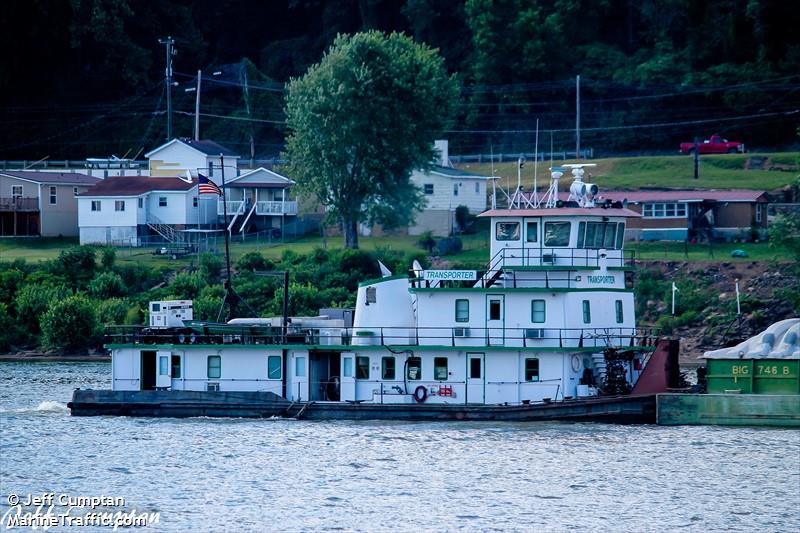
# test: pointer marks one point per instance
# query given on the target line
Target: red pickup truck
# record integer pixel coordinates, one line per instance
(715, 145)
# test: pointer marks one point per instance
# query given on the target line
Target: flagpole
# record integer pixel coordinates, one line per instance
(228, 288)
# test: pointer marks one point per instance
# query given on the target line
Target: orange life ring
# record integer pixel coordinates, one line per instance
(420, 394)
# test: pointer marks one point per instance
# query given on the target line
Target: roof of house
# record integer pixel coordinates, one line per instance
(205, 146)
(732, 195)
(455, 172)
(137, 185)
(56, 178)
(266, 178)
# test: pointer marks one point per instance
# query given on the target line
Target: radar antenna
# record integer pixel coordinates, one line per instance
(582, 193)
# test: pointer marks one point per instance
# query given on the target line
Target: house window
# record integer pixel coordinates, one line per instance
(74, 191)
(96, 205)
(531, 369)
(507, 231)
(587, 312)
(556, 233)
(274, 367)
(532, 232)
(618, 307)
(16, 191)
(428, 188)
(758, 213)
(664, 210)
(477, 187)
(462, 310)
(214, 366)
(141, 203)
(455, 189)
(53, 195)
(440, 368)
(162, 201)
(538, 311)
(362, 367)
(300, 367)
(388, 368)
(194, 201)
(119, 205)
(414, 369)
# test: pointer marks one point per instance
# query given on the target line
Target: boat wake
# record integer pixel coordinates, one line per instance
(45, 407)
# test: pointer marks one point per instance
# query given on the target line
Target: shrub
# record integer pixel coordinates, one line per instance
(253, 261)
(451, 245)
(70, 324)
(76, 264)
(187, 285)
(462, 217)
(113, 311)
(206, 308)
(210, 267)
(107, 285)
(133, 316)
(10, 280)
(427, 242)
(33, 301)
(107, 258)
(8, 329)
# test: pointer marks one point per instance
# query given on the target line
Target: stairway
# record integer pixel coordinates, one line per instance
(599, 360)
(165, 230)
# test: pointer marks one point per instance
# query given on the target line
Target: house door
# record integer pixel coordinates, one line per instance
(163, 380)
(495, 319)
(476, 378)
(176, 372)
(348, 386)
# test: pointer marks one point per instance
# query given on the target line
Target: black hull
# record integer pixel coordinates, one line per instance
(181, 404)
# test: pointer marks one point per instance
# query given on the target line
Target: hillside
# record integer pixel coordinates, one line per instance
(630, 173)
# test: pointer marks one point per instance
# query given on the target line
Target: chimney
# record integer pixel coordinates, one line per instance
(443, 158)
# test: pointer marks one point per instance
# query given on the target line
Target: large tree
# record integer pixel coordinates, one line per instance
(361, 120)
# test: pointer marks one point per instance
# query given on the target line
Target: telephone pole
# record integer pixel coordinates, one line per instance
(168, 44)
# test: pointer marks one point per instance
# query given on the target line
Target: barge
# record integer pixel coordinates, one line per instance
(546, 331)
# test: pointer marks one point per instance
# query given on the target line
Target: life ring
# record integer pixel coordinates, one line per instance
(420, 394)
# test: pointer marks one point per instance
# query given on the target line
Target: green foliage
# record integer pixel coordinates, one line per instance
(76, 264)
(70, 324)
(10, 281)
(210, 267)
(113, 311)
(107, 285)
(134, 316)
(33, 300)
(450, 245)
(427, 242)
(207, 308)
(187, 285)
(254, 261)
(361, 120)
(108, 256)
(463, 217)
(138, 278)
(784, 232)
(8, 329)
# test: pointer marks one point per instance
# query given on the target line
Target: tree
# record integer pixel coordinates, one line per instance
(361, 120)
(69, 324)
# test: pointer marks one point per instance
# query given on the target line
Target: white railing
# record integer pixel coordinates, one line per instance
(235, 207)
(238, 207)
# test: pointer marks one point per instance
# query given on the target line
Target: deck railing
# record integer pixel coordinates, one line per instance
(467, 337)
(17, 203)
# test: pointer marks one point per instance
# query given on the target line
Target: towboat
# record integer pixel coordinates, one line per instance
(546, 331)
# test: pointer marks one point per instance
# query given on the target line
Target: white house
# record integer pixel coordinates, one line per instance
(180, 155)
(124, 211)
(445, 189)
(258, 200)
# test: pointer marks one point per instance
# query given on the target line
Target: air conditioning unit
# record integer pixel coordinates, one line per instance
(534, 333)
(461, 332)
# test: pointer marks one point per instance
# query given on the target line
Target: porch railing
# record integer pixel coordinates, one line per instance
(17, 203)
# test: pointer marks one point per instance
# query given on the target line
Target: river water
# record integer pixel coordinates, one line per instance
(265, 475)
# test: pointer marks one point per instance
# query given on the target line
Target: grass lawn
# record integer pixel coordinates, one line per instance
(716, 172)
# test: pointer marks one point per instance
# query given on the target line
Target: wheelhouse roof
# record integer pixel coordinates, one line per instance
(562, 212)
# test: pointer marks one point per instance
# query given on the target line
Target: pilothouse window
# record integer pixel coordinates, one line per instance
(440, 368)
(414, 368)
(362, 367)
(507, 231)
(556, 233)
(388, 368)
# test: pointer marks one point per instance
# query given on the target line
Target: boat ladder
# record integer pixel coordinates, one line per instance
(299, 415)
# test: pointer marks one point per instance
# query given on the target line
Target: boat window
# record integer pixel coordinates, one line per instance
(176, 367)
(362, 367)
(556, 233)
(494, 309)
(587, 312)
(214, 370)
(388, 368)
(581, 233)
(440, 368)
(300, 367)
(620, 235)
(475, 368)
(372, 295)
(163, 362)
(274, 367)
(462, 310)
(599, 235)
(618, 305)
(531, 369)
(532, 232)
(414, 369)
(347, 371)
(507, 231)
(538, 311)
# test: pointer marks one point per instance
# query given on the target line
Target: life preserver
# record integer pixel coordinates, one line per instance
(420, 394)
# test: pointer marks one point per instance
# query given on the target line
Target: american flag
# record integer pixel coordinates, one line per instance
(207, 186)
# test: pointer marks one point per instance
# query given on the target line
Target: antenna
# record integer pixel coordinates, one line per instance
(551, 197)
(535, 197)
(583, 193)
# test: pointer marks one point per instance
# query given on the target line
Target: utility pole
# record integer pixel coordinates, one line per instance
(197, 107)
(246, 95)
(696, 157)
(578, 116)
(168, 44)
